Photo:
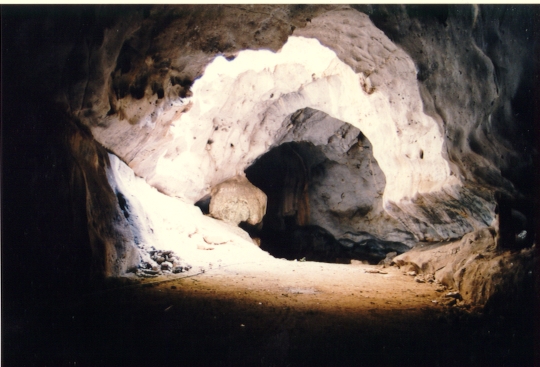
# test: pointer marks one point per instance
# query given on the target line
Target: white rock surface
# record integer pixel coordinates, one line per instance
(165, 223)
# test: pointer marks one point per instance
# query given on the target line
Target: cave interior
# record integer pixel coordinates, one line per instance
(270, 185)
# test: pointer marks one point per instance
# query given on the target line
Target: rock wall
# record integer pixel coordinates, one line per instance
(346, 186)
(111, 240)
(323, 174)
(475, 268)
(487, 57)
(64, 225)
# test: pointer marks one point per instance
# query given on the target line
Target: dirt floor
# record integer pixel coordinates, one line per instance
(281, 313)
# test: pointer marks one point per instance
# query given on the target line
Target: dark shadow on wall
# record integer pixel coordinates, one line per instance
(45, 243)
(46, 252)
(284, 174)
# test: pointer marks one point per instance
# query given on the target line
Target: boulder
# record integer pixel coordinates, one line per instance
(237, 200)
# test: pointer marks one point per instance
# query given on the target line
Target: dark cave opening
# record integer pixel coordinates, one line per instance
(285, 174)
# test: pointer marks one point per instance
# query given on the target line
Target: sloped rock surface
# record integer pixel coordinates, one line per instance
(166, 229)
(466, 50)
(475, 267)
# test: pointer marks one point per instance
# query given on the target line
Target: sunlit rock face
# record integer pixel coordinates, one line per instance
(162, 223)
(240, 107)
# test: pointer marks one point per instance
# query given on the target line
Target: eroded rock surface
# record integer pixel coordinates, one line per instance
(195, 149)
(466, 50)
(388, 100)
(346, 184)
(152, 85)
(475, 267)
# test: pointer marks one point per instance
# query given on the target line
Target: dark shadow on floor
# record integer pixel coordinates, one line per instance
(167, 326)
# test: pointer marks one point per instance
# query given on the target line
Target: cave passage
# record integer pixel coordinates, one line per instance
(284, 174)
(287, 175)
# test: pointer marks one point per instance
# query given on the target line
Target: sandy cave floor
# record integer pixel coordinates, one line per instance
(266, 313)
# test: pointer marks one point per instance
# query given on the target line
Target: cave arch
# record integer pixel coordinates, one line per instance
(244, 106)
(240, 107)
(324, 195)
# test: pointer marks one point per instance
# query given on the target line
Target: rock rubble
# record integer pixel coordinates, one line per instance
(158, 262)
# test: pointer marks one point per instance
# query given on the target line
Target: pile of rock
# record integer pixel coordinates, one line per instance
(159, 262)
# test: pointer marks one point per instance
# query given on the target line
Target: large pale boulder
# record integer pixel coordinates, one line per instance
(237, 200)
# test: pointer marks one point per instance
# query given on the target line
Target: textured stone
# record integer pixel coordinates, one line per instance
(166, 266)
(196, 147)
(473, 265)
(466, 50)
(237, 200)
(329, 179)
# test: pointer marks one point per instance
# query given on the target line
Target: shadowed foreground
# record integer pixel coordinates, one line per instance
(228, 317)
